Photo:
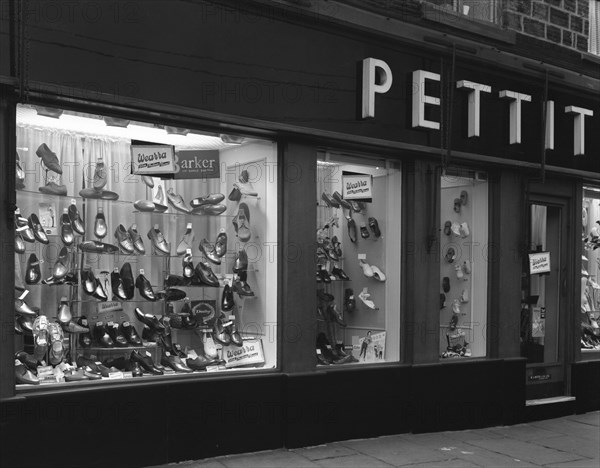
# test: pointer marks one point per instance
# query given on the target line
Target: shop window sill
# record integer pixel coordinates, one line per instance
(462, 22)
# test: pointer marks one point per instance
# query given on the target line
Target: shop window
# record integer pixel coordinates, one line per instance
(590, 270)
(358, 260)
(120, 275)
(474, 9)
(463, 264)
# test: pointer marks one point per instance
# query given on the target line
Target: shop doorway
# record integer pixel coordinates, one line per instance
(545, 291)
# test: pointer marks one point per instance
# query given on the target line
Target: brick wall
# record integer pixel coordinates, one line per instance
(559, 21)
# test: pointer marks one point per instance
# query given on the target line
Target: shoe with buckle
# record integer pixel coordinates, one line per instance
(33, 273)
(209, 252)
(124, 240)
(49, 158)
(145, 288)
(158, 241)
(100, 228)
(205, 275)
(176, 201)
(37, 229)
(66, 230)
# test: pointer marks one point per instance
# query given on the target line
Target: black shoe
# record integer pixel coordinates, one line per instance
(37, 229)
(241, 262)
(174, 362)
(200, 363)
(349, 301)
(227, 302)
(176, 280)
(220, 334)
(374, 227)
(364, 232)
(99, 292)
(335, 315)
(206, 275)
(136, 370)
(151, 335)
(28, 360)
(117, 287)
(24, 376)
(49, 158)
(66, 230)
(352, 230)
(339, 273)
(127, 280)
(61, 266)
(150, 320)
(85, 339)
(131, 334)
(116, 335)
(88, 281)
(209, 252)
(235, 336)
(91, 363)
(171, 294)
(145, 361)
(102, 337)
(145, 288)
(76, 221)
(221, 244)
(33, 272)
(100, 228)
(188, 266)
(242, 288)
(323, 274)
(323, 296)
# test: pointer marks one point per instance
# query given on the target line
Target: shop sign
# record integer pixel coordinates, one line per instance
(197, 164)
(152, 159)
(537, 377)
(539, 262)
(357, 187)
(249, 354)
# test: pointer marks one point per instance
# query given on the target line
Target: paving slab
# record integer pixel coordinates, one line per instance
(453, 463)
(396, 451)
(353, 461)
(592, 419)
(270, 459)
(525, 451)
(584, 447)
(320, 452)
(569, 427)
(524, 432)
(584, 463)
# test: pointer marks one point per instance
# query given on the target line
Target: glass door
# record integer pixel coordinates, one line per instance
(544, 295)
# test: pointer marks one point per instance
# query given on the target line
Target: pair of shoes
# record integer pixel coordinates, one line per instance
(122, 284)
(227, 333)
(148, 206)
(372, 271)
(65, 319)
(203, 274)
(92, 285)
(145, 288)
(214, 254)
(129, 240)
(208, 205)
(241, 223)
(70, 223)
(365, 297)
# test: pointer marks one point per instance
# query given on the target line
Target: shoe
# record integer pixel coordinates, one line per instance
(459, 272)
(450, 255)
(61, 266)
(90, 193)
(145, 362)
(200, 362)
(19, 244)
(464, 297)
(323, 296)
(56, 343)
(339, 273)
(33, 273)
(66, 230)
(210, 210)
(242, 289)
(131, 334)
(127, 280)
(205, 275)
(209, 252)
(49, 158)
(351, 229)
(136, 370)
(366, 268)
(88, 281)
(467, 267)
(221, 245)
(27, 360)
(114, 331)
(158, 241)
(100, 228)
(447, 226)
(188, 266)
(52, 188)
(235, 194)
(107, 195)
(124, 240)
(149, 181)
(208, 344)
(99, 292)
(23, 309)
(37, 229)
(23, 376)
(75, 375)
(176, 280)
(357, 207)
(97, 247)
(176, 201)
(364, 232)
(145, 288)
(174, 362)
(160, 196)
(100, 176)
(234, 334)
(149, 320)
(144, 205)
(101, 336)
(87, 372)
(374, 225)
(19, 173)
(220, 334)
(241, 262)
(171, 294)
(378, 274)
(455, 229)
(464, 197)
(227, 301)
(186, 241)
(349, 301)
(335, 315)
(85, 339)
(456, 306)
(453, 322)
(329, 200)
(343, 203)
(323, 274)
(364, 296)
(457, 205)
(241, 223)
(116, 285)
(446, 284)
(245, 189)
(150, 335)
(464, 230)
(74, 328)
(40, 337)
(23, 229)
(64, 311)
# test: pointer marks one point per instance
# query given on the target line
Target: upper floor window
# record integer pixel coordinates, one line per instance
(483, 10)
(594, 41)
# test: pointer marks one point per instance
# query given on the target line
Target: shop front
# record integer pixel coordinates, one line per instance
(223, 247)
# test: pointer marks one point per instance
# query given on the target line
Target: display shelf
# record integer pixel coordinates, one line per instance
(146, 345)
(178, 213)
(67, 198)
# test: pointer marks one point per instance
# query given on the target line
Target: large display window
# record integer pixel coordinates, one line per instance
(358, 260)
(142, 250)
(463, 264)
(590, 270)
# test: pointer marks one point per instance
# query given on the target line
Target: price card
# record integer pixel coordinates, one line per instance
(318, 351)
(189, 226)
(22, 296)
(362, 256)
(73, 201)
(141, 271)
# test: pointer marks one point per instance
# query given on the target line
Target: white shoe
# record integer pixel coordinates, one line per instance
(210, 350)
(364, 296)
(366, 268)
(455, 228)
(378, 274)
(456, 306)
(467, 267)
(464, 297)
(464, 230)
(459, 272)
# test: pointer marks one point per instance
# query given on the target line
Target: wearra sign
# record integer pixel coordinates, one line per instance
(377, 79)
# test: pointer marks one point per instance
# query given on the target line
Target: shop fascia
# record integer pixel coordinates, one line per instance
(377, 79)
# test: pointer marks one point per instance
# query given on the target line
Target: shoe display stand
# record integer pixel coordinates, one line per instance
(590, 269)
(463, 269)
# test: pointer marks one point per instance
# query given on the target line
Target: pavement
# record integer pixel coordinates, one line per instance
(571, 441)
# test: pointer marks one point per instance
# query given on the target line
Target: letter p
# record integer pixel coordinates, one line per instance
(376, 79)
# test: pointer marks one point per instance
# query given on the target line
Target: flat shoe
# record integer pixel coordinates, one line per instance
(352, 230)
(32, 272)
(100, 228)
(176, 201)
(76, 221)
(49, 158)
(38, 230)
(374, 225)
(52, 188)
